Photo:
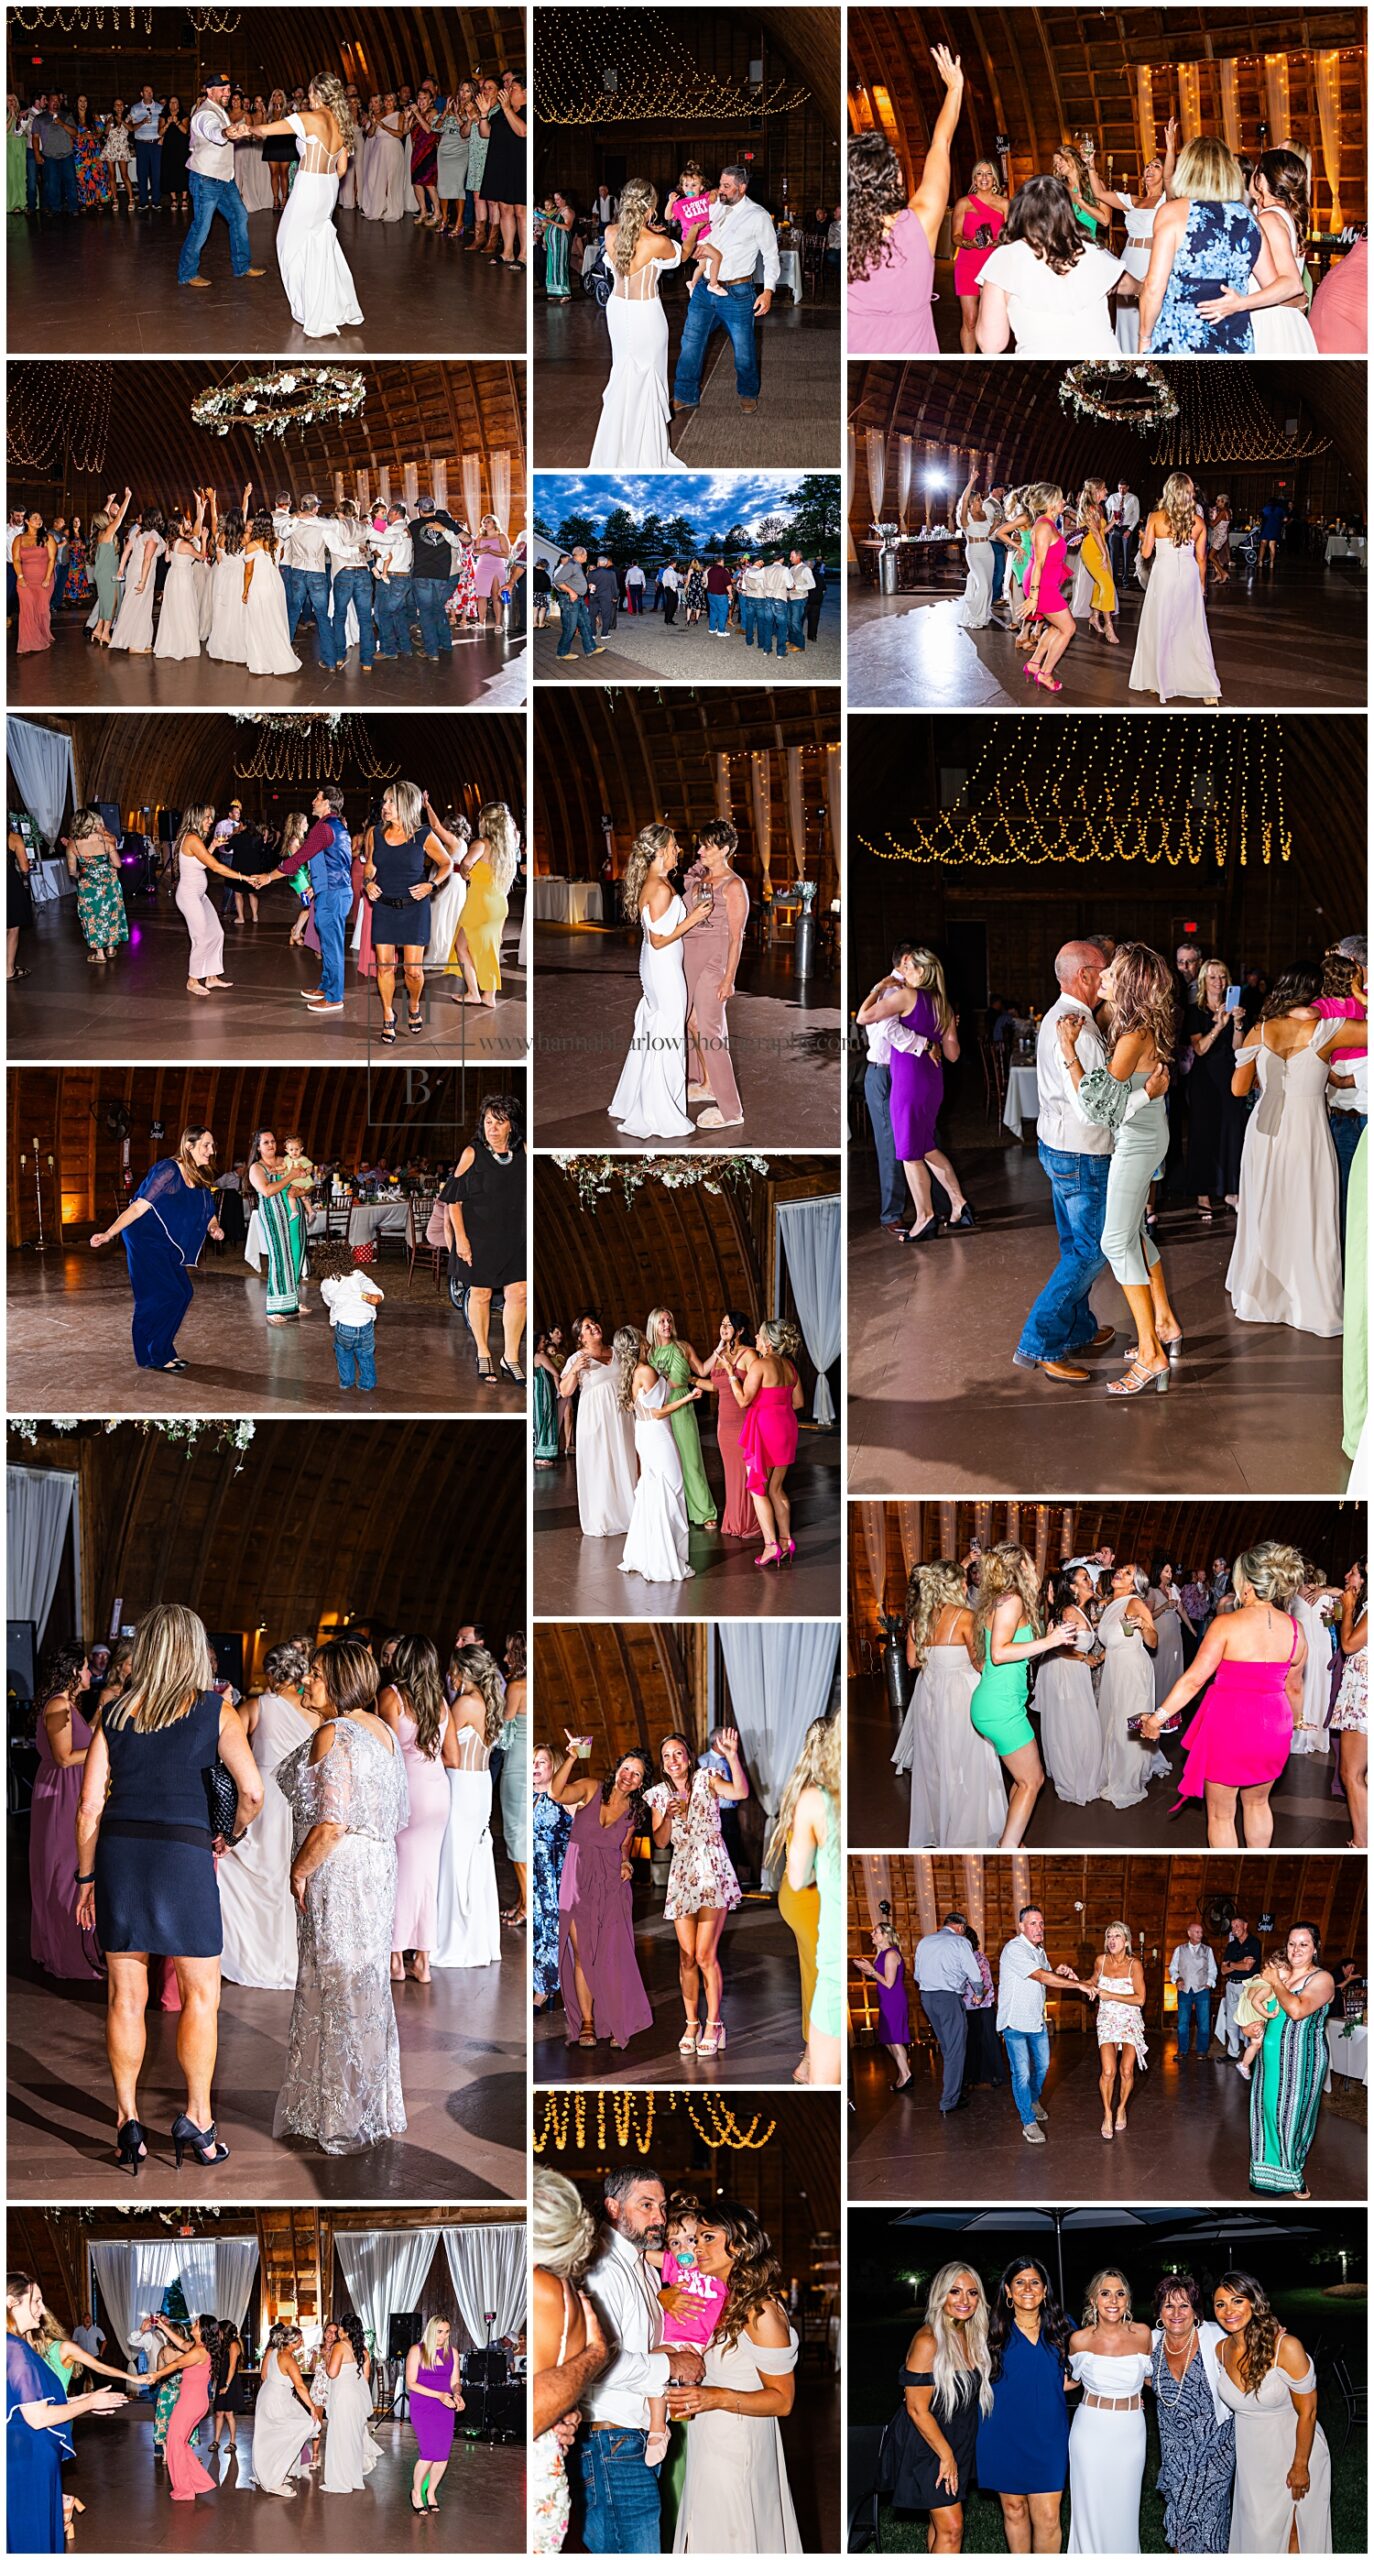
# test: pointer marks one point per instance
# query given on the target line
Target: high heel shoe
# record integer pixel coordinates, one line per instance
(203, 2147)
(770, 1555)
(133, 2145)
(1173, 1344)
(785, 1554)
(712, 2039)
(511, 1369)
(1138, 1378)
(965, 1219)
(919, 1235)
(687, 2041)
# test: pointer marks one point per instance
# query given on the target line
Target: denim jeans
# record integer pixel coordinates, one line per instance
(706, 314)
(210, 196)
(575, 623)
(311, 584)
(796, 622)
(1120, 550)
(620, 2492)
(770, 622)
(148, 160)
(331, 916)
(892, 1188)
(815, 604)
(32, 181)
(1347, 1129)
(355, 1355)
(1028, 2060)
(391, 605)
(430, 596)
(353, 587)
(748, 618)
(1062, 1316)
(718, 613)
(59, 185)
(999, 572)
(1194, 2009)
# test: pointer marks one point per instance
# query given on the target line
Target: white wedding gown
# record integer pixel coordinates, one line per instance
(1126, 1688)
(1285, 330)
(656, 1548)
(735, 2495)
(650, 1099)
(228, 640)
(1107, 2455)
(1173, 653)
(266, 632)
(132, 627)
(605, 1453)
(255, 1902)
(349, 2451)
(1286, 1260)
(632, 431)
(280, 2425)
(469, 1927)
(314, 271)
(178, 625)
(1070, 1734)
(958, 1800)
(974, 610)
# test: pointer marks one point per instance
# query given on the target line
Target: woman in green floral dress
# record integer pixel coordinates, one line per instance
(93, 860)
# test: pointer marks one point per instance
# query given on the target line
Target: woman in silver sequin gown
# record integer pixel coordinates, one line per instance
(347, 1792)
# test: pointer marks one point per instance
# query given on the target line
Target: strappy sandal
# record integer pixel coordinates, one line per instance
(389, 1029)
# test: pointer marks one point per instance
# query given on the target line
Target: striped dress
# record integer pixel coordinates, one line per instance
(283, 1231)
(1285, 2097)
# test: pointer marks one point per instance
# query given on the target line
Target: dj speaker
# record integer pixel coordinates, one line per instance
(21, 1657)
(404, 2331)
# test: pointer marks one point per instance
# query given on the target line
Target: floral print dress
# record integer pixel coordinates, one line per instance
(92, 175)
(100, 903)
(552, 1824)
(1219, 247)
(701, 1877)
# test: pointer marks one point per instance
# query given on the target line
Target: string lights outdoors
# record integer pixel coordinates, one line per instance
(270, 403)
(626, 66)
(1185, 797)
(59, 413)
(596, 2121)
(307, 746)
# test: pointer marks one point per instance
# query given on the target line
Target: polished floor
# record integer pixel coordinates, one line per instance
(1187, 2142)
(139, 1006)
(577, 1577)
(485, 671)
(482, 2497)
(784, 1044)
(70, 1350)
(936, 1405)
(761, 2009)
(1307, 1814)
(1291, 641)
(644, 650)
(794, 427)
(107, 285)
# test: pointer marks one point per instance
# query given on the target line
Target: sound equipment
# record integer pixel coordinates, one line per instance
(21, 1659)
(483, 2365)
(404, 2331)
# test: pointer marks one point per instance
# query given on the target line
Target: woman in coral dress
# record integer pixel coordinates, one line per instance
(727, 1359)
(33, 554)
(187, 2478)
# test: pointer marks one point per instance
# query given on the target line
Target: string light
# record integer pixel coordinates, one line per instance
(1222, 416)
(600, 1178)
(303, 746)
(59, 412)
(294, 396)
(70, 22)
(604, 2120)
(625, 66)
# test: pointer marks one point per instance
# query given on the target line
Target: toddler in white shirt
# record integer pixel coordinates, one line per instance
(351, 1291)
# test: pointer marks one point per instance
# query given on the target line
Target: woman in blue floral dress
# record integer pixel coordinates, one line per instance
(1205, 240)
(552, 1824)
(1197, 2433)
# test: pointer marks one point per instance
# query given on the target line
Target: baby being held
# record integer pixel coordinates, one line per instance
(692, 2304)
(1254, 2009)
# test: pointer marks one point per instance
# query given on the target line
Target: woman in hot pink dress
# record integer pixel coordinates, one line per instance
(489, 563)
(978, 219)
(1239, 1741)
(1049, 567)
(769, 1397)
(188, 2478)
(62, 1737)
(411, 1700)
(892, 242)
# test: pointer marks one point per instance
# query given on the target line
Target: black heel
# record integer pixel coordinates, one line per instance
(203, 2147)
(133, 2145)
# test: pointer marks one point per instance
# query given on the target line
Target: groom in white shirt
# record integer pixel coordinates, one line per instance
(620, 2491)
(743, 232)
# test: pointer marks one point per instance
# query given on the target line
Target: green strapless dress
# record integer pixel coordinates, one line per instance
(672, 1363)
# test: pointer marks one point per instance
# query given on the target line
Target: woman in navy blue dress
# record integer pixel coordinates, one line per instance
(38, 2420)
(1023, 2447)
(164, 1227)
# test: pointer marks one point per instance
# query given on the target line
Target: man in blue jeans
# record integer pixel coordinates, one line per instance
(210, 177)
(621, 2510)
(327, 849)
(1193, 1972)
(743, 232)
(574, 611)
(1076, 1155)
(1023, 1976)
(433, 532)
(145, 124)
(303, 559)
(894, 1205)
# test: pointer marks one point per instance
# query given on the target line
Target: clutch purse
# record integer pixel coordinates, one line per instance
(222, 1798)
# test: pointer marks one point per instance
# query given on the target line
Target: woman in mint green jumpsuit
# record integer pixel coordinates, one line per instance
(1139, 993)
(677, 1362)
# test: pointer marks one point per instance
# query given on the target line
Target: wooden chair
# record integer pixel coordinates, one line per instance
(418, 1247)
(338, 1216)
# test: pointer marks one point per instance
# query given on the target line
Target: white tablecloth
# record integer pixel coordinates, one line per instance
(568, 901)
(1349, 2053)
(383, 1217)
(1023, 1098)
(790, 266)
(48, 880)
(1345, 546)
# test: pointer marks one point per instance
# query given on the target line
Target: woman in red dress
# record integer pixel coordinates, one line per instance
(198, 2364)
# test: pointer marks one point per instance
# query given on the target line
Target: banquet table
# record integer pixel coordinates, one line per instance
(1344, 546)
(790, 272)
(1023, 1099)
(368, 1219)
(567, 901)
(49, 879)
(1349, 2053)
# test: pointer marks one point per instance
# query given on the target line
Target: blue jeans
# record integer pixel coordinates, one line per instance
(59, 584)
(430, 595)
(999, 571)
(1028, 2060)
(717, 613)
(706, 314)
(748, 617)
(391, 605)
(331, 916)
(148, 160)
(796, 622)
(32, 176)
(620, 2492)
(877, 1095)
(1194, 2009)
(355, 1355)
(770, 623)
(353, 587)
(210, 196)
(314, 584)
(1347, 1129)
(59, 185)
(575, 623)
(1062, 1316)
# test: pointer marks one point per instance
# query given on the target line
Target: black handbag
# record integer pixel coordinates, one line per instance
(222, 1797)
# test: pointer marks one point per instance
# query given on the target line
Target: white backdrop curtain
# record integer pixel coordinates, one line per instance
(722, 786)
(1145, 113)
(1328, 69)
(909, 1528)
(849, 455)
(831, 770)
(875, 449)
(809, 1233)
(1230, 103)
(796, 811)
(133, 2276)
(384, 2272)
(761, 795)
(500, 489)
(43, 769)
(876, 1875)
(873, 1516)
(40, 1504)
(1189, 100)
(780, 1681)
(903, 478)
(1276, 99)
(472, 490)
(438, 473)
(487, 2264)
(217, 2276)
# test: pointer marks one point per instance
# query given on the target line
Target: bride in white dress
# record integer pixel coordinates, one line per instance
(1285, 1263)
(284, 2416)
(1173, 653)
(632, 432)
(650, 1099)
(735, 2493)
(977, 525)
(656, 1547)
(1110, 2357)
(605, 1436)
(1126, 1633)
(266, 630)
(178, 626)
(958, 1800)
(314, 271)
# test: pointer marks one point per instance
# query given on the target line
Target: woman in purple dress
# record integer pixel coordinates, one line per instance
(62, 1739)
(603, 1994)
(434, 2398)
(888, 1969)
(925, 1033)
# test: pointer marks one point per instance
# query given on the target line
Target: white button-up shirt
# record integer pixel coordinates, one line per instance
(1020, 2002)
(625, 2290)
(744, 233)
(1124, 511)
(1061, 1124)
(1193, 1968)
(945, 1962)
(392, 542)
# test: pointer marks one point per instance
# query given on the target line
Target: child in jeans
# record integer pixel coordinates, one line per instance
(692, 2323)
(350, 1292)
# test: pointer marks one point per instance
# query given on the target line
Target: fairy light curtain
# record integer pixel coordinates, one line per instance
(875, 1876)
(500, 489)
(1230, 103)
(849, 459)
(909, 1531)
(903, 477)
(796, 811)
(1189, 100)
(761, 798)
(1276, 99)
(873, 1519)
(831, 773)
(1328, 84)
(471, 468)
(1145, 112)
(875, 452)
(722, 786)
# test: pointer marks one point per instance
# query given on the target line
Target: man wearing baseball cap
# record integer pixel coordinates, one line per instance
(210, 175)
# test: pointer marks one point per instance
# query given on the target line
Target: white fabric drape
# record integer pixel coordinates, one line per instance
(796, 810)
(909, 1530)
(133, 2276)
(849, 456)
(809, 1233)
(1189, 100)
(217, 2276)
(40, 1504)
(876, 1875)
(439, 482)
(1328, 67)
(903, 477)
(384, 2272)
(487, 2264)
(1230, 103)
(831, 772)
(722, 786)
(500, 489)
(1276, 99)
(1145, 113)
(875, 449)
(873, 1516)
(471, 467)
(780, 1681)
(761, 795)
(43, 769)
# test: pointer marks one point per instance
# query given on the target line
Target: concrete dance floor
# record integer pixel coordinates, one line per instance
(577, 1577)
(106, 285)
(761, 2009)
(643, 649)
(784, 1043)
(484, 671)
(794, 427)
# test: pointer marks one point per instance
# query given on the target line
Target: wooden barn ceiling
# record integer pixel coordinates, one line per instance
(627, 1685)
(376, 49)
(808, 41)
(1041, 76)
(693, 1250)
(634, 753)
(413, 413)
(1012, 413)
(313, 1524)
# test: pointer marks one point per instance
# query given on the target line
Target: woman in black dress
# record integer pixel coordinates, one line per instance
(486, 1218)
(1216, 1120)
(176, 146)
(503, 179)
(18, 901)
(928, 2450)
(278, 149)
(147, 1830)
(405, 862)
(231, 2401)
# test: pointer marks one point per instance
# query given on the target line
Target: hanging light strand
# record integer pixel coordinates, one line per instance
(596, 2122)
(626, 66)
(303, 746)
(59, 413)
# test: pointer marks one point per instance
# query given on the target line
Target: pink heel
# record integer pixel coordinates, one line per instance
(770, 1555)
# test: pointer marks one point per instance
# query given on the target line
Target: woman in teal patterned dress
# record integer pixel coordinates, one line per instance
(677, 1362)
(1291, 2066)
(93, 858)
(283, 1227)
(551, 1825)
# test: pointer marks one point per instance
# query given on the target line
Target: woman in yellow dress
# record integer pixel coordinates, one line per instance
(490, 863)
(1094, 561)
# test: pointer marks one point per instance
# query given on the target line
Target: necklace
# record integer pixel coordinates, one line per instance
(1180, 2378)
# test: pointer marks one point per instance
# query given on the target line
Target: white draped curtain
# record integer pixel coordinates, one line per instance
(384, 2272)
(780, 1681)
(903, 478)
(875, 448)
(40, 1504)
(472, 490)
(43, 769)
(1230, 103)
(722, 786)
(438, 474)
(500, 489)
(1328, 67)
(832, 802)
(1145, 112)
(487, 2264)
(133, 2276)
(761, 796)
(849, 454)
(1276, 99)
(1189, 100)
(909, 1530)
(809, 1233)
(217, 2276)
(873, 1517)
(796, 810)
(876, 1877)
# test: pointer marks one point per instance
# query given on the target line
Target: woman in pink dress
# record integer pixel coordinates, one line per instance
(489, 561)
(892, 241)
(977, 224)
(411, 1700)
(62, 1737)
(1239, 1741)
(1045, 601)
(188, 2478)
(729, 1357)
(769, 1397)
(34, 557)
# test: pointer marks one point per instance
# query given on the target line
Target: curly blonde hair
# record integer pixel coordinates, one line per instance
(932, 1587)
(500, 834)
(634, 216)
(1274, 1572)
(332, 94)
(1179, 506)
(648, 844)
(1009, 1568)
(627, 1349)
(782, 1337)
(475, 1668)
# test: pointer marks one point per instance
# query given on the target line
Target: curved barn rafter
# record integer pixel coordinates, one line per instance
(695, 1249)
(268, 48)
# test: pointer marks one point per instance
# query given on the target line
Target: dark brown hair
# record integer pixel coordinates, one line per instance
(1041, 213)
(348, 1669)
(877, 188)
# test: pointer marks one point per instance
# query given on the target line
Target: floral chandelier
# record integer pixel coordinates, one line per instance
(229, 1435)
(625, 66)
(299, 746)
(268, 404)
(1126, 392)
(621, 1178)
(596, 2121)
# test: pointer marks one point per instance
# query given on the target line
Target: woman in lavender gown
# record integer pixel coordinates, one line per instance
(603, 1994)
(62, 1737)
(411, 1700)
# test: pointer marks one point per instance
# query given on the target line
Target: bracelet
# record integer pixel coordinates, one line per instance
(90, 1879)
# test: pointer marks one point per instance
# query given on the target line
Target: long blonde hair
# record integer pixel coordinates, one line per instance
(429, 2340)
(475, 1668)
(648, 844)
(1094, 2289)
(637, 207)
(501, 836)
(1116, 1929)
(932, 1587)
(651, 1326)
(330, 91)
(195, 821)
(626, 1349)
(1009, 1568)
(818, 1765)
(172, 1666)
(408, 805)
(930, 976)
(1179, 507)
(955, 2373)
(295, 828)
